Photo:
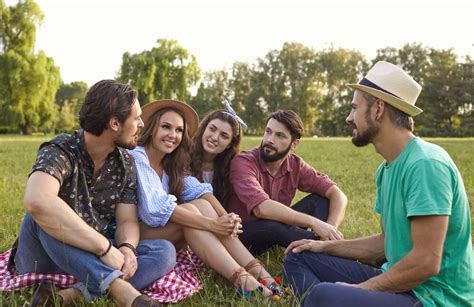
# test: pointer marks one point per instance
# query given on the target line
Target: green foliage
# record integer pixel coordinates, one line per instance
(337, 67)
(296, 77)
(28, 81)
(214, 86)
(313, 83)
(69, 99)
(166, 71)
(352, 168)
(446, 98)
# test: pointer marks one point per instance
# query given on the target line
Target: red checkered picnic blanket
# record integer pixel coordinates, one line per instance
(172, 288)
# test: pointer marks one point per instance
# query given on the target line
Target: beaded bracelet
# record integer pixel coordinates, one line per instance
(130, 246)
(107, 250)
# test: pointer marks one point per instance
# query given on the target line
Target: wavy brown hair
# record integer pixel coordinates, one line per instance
(220, 179)
(176, 164)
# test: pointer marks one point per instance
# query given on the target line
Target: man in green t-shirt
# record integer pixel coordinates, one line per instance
(425, 238)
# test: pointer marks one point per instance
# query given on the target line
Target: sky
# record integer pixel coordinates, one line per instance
(87, 38)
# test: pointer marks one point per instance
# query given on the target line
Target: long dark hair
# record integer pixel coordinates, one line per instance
(176, 164)
(220, 180)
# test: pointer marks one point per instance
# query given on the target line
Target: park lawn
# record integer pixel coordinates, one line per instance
(352, 168)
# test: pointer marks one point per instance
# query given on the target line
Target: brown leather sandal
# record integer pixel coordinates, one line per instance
(275, 286)
(249, 295)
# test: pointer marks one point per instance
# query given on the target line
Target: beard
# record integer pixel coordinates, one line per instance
(126, 145)
(266, 157)
(366, 137)
(120, 142)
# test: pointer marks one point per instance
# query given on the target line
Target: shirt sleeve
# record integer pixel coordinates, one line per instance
(193, 189)
(53, 161)
(429, 189)
(155, 205)
(312, 181)
(129, 193)
(244, 180)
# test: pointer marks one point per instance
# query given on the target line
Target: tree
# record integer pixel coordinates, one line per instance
(447, 84)
(69, 98)
(247, 96)
(466, 110)
(166, 71)
(28, 81)
(301, 70)
(211, 92)
(337, 68)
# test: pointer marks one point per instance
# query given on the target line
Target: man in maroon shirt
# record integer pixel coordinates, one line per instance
(265, 180)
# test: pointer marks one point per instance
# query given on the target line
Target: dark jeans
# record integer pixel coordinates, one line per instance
(260, 235)
(313, 277)
(38, 252)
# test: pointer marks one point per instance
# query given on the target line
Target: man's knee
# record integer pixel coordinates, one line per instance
(274, 228)
(314, 200)
(163, 250)
(292, 260)
(296, 262)
(29, 225)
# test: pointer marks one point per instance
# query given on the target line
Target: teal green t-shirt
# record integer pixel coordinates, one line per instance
(423, 180)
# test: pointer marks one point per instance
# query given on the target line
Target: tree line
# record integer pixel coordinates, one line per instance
(308, 81)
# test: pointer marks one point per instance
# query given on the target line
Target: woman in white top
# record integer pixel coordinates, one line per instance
(175, 206)
(216, 142)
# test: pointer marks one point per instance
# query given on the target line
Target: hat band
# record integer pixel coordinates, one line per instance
(369, 83)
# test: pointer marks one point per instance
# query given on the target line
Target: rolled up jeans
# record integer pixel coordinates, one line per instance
(40, 253)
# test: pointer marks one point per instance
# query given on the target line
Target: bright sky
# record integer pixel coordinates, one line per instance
(87, 38)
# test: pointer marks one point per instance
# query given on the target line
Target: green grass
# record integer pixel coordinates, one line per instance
(352, 168)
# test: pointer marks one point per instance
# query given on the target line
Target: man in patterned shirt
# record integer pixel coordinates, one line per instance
(79, 185)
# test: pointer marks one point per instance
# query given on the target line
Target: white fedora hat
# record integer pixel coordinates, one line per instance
(393, 85)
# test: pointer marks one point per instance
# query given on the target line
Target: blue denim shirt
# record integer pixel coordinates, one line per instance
(155, 204)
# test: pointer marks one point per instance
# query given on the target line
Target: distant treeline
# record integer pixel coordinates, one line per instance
(311, 82)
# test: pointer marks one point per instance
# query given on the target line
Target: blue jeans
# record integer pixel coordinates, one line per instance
(40, 253)
(262, 234)
(313, 277)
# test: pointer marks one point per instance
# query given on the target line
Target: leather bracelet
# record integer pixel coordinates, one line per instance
(107, 250)
(130, 246)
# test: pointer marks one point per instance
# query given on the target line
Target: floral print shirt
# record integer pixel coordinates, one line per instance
(93, 199)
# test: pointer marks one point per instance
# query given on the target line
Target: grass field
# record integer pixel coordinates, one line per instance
(352, 168)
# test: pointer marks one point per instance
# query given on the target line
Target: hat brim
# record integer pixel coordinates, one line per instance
(390, 99)
(190, 116)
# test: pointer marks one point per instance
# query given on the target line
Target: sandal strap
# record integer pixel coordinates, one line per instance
(234, 278)
(253, 263)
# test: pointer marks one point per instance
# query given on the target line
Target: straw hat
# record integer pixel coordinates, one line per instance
(393, 85)
(190, 116)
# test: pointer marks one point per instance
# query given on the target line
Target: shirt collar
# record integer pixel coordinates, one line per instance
(81, 144)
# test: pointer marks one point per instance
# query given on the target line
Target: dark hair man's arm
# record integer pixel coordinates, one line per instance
(273, 210)
(59, 221)
(337, 205)
(127, 232)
